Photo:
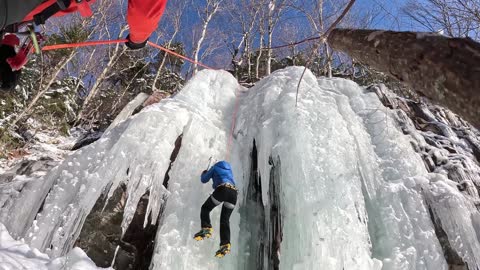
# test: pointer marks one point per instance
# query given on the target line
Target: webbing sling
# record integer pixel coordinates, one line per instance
(51, 10)
(12, 12)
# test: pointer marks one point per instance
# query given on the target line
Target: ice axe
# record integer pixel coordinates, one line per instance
(209, 162)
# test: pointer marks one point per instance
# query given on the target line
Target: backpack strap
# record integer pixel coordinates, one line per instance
(51, 10)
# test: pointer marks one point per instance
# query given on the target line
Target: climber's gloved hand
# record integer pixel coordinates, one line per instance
(133, 45)
(8, 77)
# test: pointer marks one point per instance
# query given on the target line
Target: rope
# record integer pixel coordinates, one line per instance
(116, 41)
(324, 36)
(295, 43)
(179, 55)
(82, 44)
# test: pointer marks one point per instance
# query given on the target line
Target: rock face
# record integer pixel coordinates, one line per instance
(266, 234)
(102, 227)
(101, 235)
(28, 168)
(141, 101)
(447, 144)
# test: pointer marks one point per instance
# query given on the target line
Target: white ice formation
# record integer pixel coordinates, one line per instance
(15, 255)
(329, 182)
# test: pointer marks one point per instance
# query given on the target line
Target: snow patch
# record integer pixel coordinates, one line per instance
(18, 255)
(374, 34)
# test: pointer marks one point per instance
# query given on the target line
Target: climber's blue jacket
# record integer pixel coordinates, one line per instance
(221, 173)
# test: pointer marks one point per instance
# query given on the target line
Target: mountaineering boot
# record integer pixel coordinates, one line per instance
(224, 250)
(203, 233)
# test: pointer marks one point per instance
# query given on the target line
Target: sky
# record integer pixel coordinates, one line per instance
(388, 15)
(391, 16)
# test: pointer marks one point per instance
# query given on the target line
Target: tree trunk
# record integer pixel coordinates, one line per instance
(446, 70)
(249, 59)
(269, 54)
(159, 70)
(209, 15)
(199, 44)
(37, 97)
(99, 80)
(329, 61)
(269, 44)
(259, 57)
(119, 50)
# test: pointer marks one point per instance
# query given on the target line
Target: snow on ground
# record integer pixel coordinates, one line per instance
(352, 193)
(43, 143)
(16, 255)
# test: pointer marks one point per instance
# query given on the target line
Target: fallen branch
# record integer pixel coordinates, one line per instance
(446, 70)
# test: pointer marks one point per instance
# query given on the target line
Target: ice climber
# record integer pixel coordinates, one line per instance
(22, 15)
(224, 192)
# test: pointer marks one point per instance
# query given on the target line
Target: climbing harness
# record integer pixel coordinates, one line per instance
(230, 186)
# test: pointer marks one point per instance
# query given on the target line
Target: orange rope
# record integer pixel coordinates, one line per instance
(178, 55)
(116, 41)
(82, 44)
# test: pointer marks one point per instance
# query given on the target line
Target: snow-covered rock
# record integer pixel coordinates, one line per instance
(16, 255)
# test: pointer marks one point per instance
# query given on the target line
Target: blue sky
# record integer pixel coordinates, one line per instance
(389, 17)
(392, 17)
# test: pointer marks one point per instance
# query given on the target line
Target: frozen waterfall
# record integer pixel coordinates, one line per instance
(328, 183)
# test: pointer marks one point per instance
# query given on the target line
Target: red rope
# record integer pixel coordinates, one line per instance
(178, 55)
(116, 41)
(82, 44)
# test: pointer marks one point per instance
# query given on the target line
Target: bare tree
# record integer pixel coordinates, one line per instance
(45, 87)
(113, 56)
(206, 15)
(261, 33)
(244, 14)
(276, 9)
(455, 18)
(319, 14)
(52, 74)
(173, 17)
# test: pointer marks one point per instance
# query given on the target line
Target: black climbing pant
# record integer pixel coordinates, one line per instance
(8, 77)
(228, 197)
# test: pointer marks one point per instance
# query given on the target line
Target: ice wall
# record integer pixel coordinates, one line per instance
(449, 147)
(322, 207)
(137, 152)
(328, 182)
(401, 231)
